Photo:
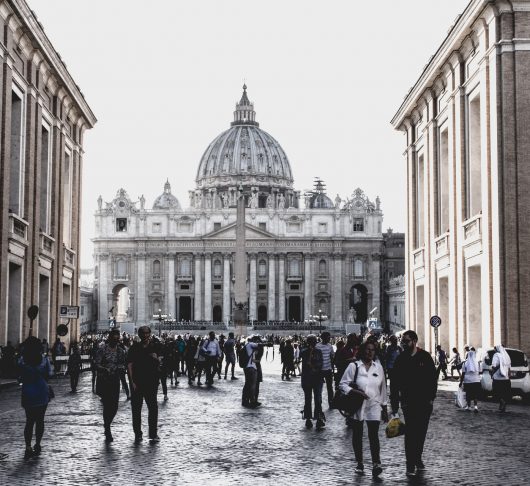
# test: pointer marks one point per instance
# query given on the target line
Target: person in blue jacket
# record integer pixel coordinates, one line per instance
(35, 369)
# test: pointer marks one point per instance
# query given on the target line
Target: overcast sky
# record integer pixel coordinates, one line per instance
(163, 77)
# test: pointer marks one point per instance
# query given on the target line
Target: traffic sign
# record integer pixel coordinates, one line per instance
(69, 311)
(436, 321)
(62, 330)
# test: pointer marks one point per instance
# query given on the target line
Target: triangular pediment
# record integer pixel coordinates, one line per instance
(228, 232)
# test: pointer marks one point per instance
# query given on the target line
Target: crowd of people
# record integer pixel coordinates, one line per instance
(361, 369)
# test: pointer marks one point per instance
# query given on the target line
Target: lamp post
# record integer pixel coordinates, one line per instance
(160, 318)
(319, 317)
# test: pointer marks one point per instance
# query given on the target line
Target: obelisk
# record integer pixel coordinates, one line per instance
(240, 270)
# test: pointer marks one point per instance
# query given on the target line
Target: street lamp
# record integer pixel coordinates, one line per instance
(319, 317)
(160, 318)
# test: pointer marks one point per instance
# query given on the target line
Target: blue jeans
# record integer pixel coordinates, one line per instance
(313, 389)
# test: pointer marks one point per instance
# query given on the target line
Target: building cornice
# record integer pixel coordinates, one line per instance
(456, 35)
(33, 29)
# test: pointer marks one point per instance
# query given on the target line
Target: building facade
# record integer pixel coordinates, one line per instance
(305, 252)
(467, 127)
(43, 116)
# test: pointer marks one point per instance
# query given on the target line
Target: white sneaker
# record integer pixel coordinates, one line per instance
(166, 397)
(476, 409)
(466, 408)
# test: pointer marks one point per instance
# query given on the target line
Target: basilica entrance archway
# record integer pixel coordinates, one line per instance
(184, 308)
(217, 313)
(359, 303)
(294, 308)
(262, 313)
(121, 304)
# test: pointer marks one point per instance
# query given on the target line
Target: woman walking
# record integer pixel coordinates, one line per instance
(500, 372)
(110, 363)
(35, 370)
(367, 378)
(312, 381)
(470, 378)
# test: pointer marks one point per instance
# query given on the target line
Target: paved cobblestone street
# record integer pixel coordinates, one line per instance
(208, 438)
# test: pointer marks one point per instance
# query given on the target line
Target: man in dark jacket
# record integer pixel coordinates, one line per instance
(414, 385)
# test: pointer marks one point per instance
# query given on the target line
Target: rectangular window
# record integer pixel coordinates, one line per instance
(121, 224)
(217, 286)
(443, 182)
(420, 200)
(473, 158)
(262, 287)
(358, 224)
(216, 226)
(157, 227)
(395, 310)
(263, 226)
(322, 227)
(16, 184)
(45, 179)
(294, 287)
(184, 287)
(294, 227)
(67, 200)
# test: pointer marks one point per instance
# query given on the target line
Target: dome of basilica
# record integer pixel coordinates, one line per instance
(244, 154)
(166, 200)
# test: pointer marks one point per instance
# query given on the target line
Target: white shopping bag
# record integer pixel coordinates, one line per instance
(460, 398)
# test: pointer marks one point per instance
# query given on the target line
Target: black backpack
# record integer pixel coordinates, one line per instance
(243, 357)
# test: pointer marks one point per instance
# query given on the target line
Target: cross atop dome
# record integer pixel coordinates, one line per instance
(245, 114)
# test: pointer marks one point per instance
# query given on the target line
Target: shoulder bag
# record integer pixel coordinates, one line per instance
(348, 403)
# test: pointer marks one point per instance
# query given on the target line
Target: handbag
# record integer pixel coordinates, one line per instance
(460, 398)
(348, 403)
(395, 428)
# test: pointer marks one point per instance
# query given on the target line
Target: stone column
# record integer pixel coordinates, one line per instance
(141, 316)
(197, 280)
(253, 290)
(227, 308)
(336, 294)
(103, 309)
(376, 290)
(271, 310)
(308, 290)
(208, 287)
(281, 287)
(171, 308)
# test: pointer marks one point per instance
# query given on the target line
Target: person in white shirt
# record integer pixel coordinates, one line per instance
(500, 372)
(212, 352)
(470, 379)
(367, 377)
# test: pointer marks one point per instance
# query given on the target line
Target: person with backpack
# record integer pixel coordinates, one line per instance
(287, 359)
(312, 381)
(189, 355)
(74, 368)
(247, 362)
(456, 362)
(230, 354)
(442, 362)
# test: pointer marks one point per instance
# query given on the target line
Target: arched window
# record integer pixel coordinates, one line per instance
(217, 269)
(322, 267)
(323, 306)
(262, 268)
(294, 268)
(185, 268)
(358, 268)
(156, 268)
(121, 268)
(156, 306)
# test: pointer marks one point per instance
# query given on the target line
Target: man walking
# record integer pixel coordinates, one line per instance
(328, 355)
(251, 372)
(230, 354)
(413, 384)
(144, 372)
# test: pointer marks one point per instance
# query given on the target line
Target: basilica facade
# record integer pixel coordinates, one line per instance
(305, 252)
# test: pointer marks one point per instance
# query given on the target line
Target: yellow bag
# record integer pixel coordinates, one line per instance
(395, 428)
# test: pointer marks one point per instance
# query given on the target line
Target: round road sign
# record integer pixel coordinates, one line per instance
(435, 321)
(62, 330)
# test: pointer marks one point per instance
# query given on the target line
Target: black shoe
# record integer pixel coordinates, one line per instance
(376, 470)
(420, 466)
(36, 449)
(255, 405)
(138, 439)
(28, 453)
(225, 377)
(108, 437)
(234, 378)
(309, 423)
(320, 424)
(359, 469)
(128, 397)
(411, 472)
(154, 439)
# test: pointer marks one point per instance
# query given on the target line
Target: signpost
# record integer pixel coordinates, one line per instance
(69, 311)
(435, 322)
(32, 314)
